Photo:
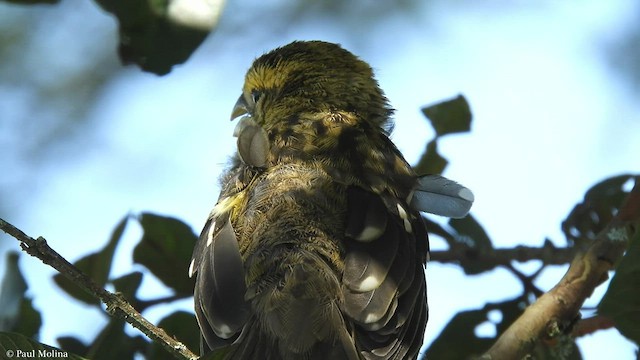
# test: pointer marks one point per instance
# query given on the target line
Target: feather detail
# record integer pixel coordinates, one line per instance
(438, 195)
(369, 307)
(367, 217)
(366, 264)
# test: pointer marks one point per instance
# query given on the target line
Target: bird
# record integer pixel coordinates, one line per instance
(316, 248)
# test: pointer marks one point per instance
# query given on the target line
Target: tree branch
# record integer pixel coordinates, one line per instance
(592, 324)
(555, 312)
(548, 254)
(116, 304)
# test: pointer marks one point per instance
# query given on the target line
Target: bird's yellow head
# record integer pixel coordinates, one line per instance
(311, 77)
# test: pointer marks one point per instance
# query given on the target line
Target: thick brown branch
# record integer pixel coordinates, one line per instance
(116, 304)
(554, 312)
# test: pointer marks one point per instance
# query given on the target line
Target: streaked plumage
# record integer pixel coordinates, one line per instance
(313, 250)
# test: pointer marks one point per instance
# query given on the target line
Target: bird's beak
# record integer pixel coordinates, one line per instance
(240, 108)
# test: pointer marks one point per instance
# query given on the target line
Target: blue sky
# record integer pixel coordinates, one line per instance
(550, 120)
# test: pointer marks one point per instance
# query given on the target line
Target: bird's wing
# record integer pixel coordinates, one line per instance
(220, 287)
(383, 282)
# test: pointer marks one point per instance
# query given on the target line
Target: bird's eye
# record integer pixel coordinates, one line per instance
(255, 96)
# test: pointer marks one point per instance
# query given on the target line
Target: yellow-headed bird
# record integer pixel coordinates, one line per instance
(314, 250)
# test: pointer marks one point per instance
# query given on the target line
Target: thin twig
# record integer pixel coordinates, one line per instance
(526, 280)
(555, 312)
(116, 304)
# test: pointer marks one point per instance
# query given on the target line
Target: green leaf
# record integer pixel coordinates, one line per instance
(12, 290)
(447, 117)
(180, 325)
(472, 236)
(30, 319)
(128, 285)
(450, 116)
(621, 302)
(16, 310)
(155, 36)
(600, 204)
(165, 249)
(471, 233)
(18, 346)
(72, 344)
(97, 266)
(431, 162)
(114, 343)
(460, 330)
